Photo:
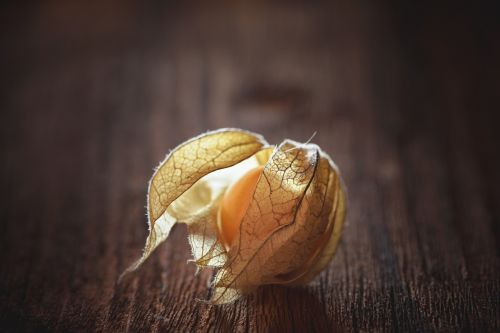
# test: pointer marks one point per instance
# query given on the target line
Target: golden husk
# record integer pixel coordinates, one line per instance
(290, 230)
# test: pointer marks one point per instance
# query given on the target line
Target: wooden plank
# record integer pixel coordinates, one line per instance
(94, 96)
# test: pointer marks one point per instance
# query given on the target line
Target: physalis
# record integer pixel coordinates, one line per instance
(261, 214)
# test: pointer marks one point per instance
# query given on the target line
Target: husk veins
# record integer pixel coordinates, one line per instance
(290, 230)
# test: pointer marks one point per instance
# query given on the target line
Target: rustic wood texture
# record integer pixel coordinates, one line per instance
(403, 97)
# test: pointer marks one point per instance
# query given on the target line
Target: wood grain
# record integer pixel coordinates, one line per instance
(403, 97)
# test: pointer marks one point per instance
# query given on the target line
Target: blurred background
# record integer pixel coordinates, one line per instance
(404, 97)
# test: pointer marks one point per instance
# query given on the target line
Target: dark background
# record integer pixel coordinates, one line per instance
(403, 97)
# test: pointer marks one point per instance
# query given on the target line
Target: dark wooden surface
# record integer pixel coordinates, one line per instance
(404, 98)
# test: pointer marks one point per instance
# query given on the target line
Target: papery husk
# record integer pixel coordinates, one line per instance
(288, 225)
(290, 230)
(182, 168)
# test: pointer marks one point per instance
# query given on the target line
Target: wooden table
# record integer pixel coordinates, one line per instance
(403, 98)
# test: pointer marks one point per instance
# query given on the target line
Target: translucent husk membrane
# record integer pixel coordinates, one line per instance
(292, 225)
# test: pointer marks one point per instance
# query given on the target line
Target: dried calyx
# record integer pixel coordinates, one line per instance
(260, 214)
